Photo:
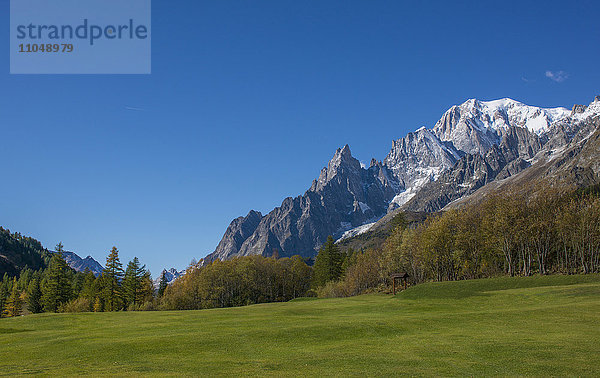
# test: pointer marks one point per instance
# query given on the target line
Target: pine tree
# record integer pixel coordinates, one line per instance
(34, 297)
(89, 286)
(163, 284)
(133, 282)
(147, 288)
(4, 292)
(112, 276)
(14, 303)
(328, 265)
(56, 288)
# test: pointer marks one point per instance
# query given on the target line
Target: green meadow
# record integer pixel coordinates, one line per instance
(504, 326)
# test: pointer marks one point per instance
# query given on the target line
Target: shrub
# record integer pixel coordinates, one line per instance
(77, 305)
(333, 289)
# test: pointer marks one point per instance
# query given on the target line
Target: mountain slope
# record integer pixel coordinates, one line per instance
(475, 126)
(416, 160)
(474, 171)
(18, 252)
(575, 164)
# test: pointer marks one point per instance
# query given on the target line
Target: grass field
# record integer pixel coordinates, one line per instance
(505, 326)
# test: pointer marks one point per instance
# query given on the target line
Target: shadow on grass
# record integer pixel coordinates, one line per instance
(469, 288)
(12, 330)
(303, 299)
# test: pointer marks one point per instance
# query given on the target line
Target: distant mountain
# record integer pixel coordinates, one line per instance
(171, 275)
(80, 265)
(475, 126)
(472, 128)
(18, 252)
(473, 145)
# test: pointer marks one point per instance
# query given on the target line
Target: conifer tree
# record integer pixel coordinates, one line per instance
(34, 297)
(133, 283)
(147, 288)
(112, 276)
(328, 265)
(4, 292)
(163, 284)
(89, 285)
(14, 303)
(56, 288)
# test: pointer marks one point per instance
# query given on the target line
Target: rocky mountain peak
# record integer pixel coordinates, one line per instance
(594, 106)
(582, 112)
(342, 163)
(344, 151)
(342, 156)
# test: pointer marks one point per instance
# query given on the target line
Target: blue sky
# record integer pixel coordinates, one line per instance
(247, 101)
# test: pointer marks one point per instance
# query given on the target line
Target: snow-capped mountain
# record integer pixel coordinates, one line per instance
(417, 159)
(171, 275)
(570, 158)
(519, 148)
(475, 126)
(473, 144)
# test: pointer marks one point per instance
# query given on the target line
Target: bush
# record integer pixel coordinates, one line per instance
(146, 306)
(77, 305)
(333, 289)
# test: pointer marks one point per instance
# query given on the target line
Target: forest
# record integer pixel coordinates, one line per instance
(58, 288)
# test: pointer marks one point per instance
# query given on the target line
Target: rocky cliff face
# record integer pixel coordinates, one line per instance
(417, 159)
(518, 149)
(236, 234)
(472, 145)
(573, 164)
(475, 126)
(344, 196)
(473, 171)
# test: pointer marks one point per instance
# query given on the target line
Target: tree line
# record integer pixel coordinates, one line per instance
(59, 288)
(548, 232)
(238, 282)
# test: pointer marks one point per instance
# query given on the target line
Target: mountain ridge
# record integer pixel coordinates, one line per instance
(82, 264)
(472, 145)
